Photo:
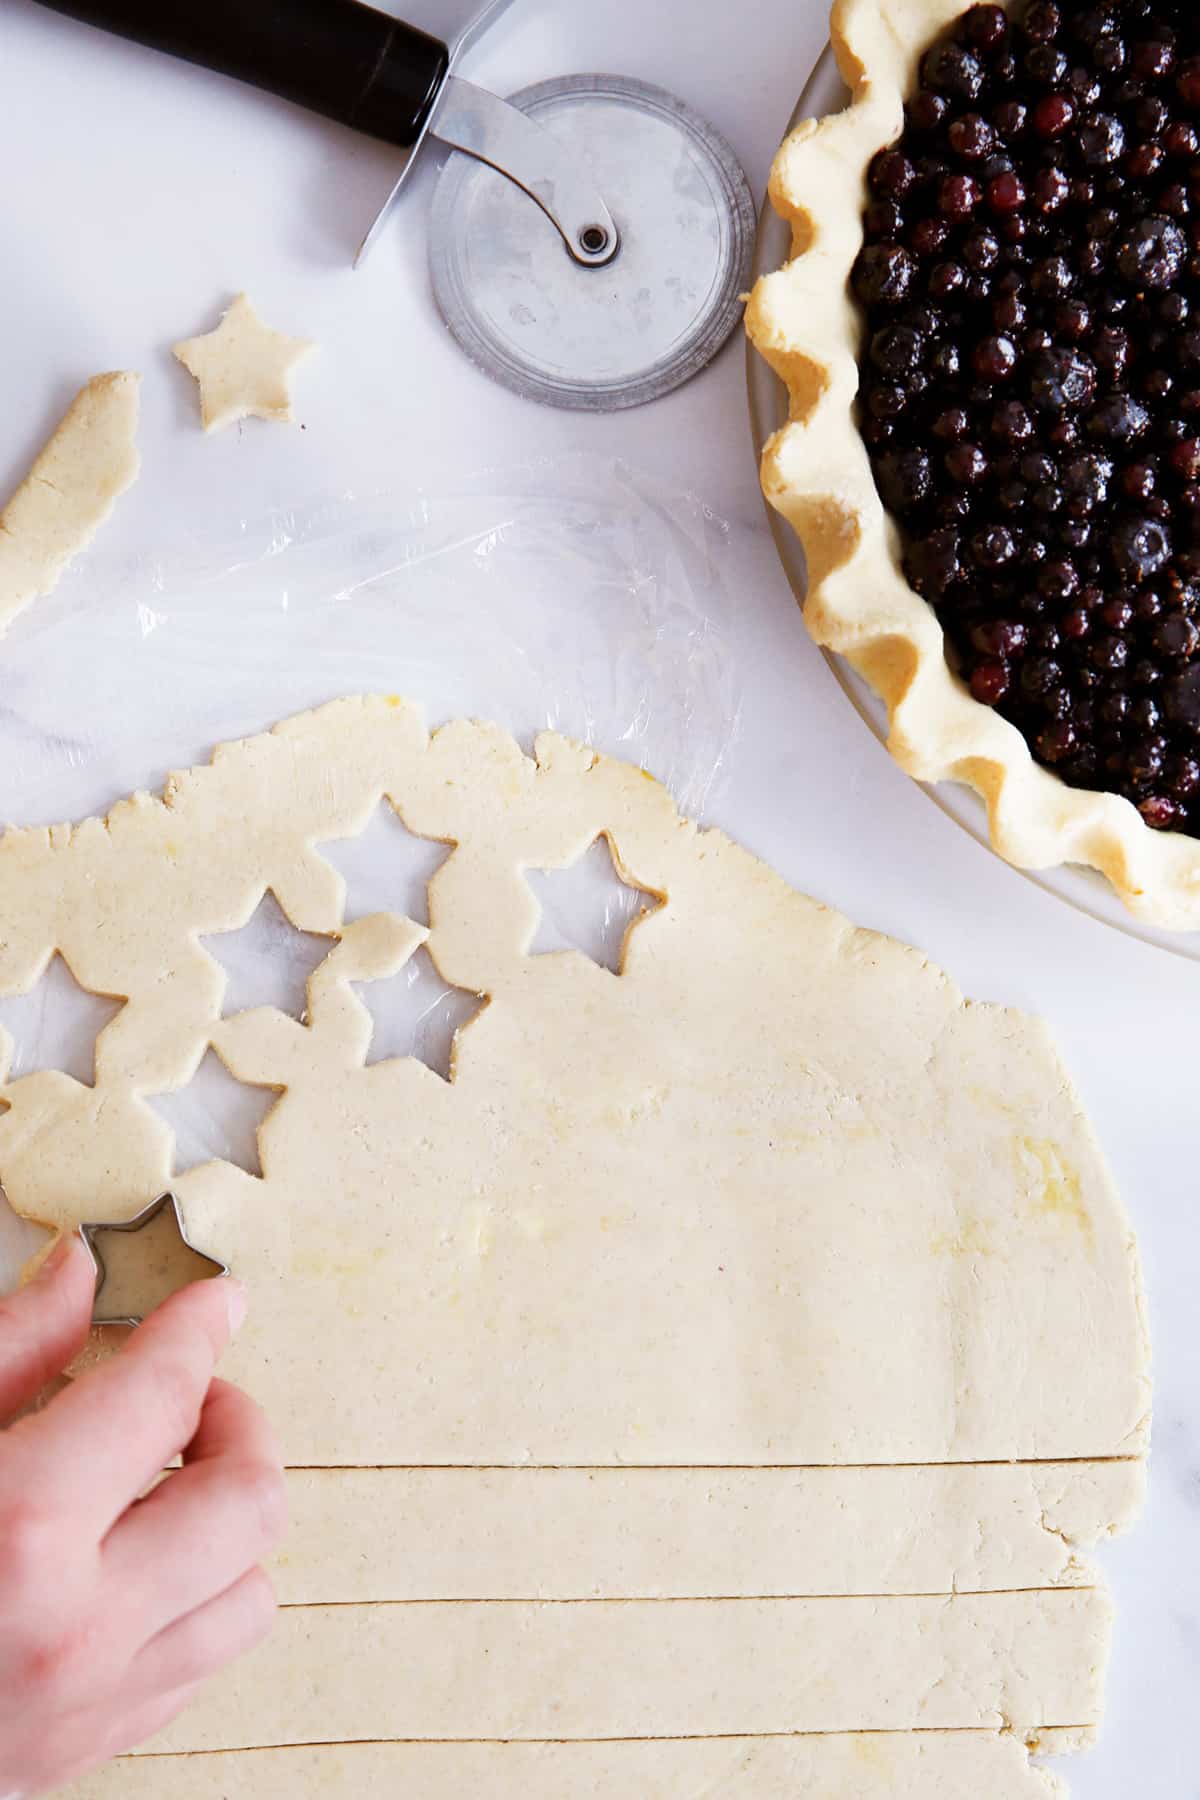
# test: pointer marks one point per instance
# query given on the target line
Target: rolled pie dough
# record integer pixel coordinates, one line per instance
(752, 1254)
(70, 491)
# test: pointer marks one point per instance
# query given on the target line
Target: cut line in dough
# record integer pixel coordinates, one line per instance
(75, 481)
(859, 1766)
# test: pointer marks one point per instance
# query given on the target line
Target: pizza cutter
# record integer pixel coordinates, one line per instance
(590, 239)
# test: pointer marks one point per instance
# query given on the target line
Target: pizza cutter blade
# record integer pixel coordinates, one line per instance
(590, 239)
(633, 322)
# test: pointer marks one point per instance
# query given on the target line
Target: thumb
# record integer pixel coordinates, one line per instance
(43, 1325)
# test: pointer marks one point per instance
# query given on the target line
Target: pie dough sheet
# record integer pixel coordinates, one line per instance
(573, 1534)
(774, 1195)
(70, 491)
(659, 1669)
(881, 1766)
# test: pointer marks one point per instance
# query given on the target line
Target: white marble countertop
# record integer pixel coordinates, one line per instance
(140, 195)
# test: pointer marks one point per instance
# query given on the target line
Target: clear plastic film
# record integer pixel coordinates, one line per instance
(582, 596)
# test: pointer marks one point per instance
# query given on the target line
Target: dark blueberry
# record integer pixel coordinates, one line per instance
(1052, 277)
(1057, 741)
(892, 175)
(1008, 312)
(1011, 423)
(1109, 653)
(985, 27)
(1118, 419)
(957, 196)
(1160, 812)
(1061, 378)
(1140, 547)
(1152, 252)
(971, 137)
(981, 249)
(1037, 466)
(946, 361)
(1151, 59)
(952, 425)
(883, 219)
(896, 349)
(990, 681)
(883, 274)
(1183, 776)
(1176, 637)
(1052, 115)
(924, 112)
(1110, 348)
(928, 236)
(1181, 700)
(1187, 81)
(1085, 481)
(1010, 118)
(950, 69)
(1101, 139)
(1050, 190)
(1005, 193)
(1046, 65)
(1150, 115)
(1084, 88)
(1181, 139)
(905, 478)
(1184, 458)
(993, 547)
(966, 463)
(885, 399)
(945, 279)
(1073, 320)
(934, 562)
(1041, 21)
(994, 358)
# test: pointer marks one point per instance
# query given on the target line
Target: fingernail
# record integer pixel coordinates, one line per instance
(238, 1301)
(60, 1255)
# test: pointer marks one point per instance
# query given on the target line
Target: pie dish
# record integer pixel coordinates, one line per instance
(1078, 345)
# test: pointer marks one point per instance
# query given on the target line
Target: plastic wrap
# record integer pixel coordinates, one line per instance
(581, 596)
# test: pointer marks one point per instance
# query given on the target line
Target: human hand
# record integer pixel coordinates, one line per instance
(113, 1608)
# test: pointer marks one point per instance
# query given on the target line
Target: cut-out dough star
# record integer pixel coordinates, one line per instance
(242, 368)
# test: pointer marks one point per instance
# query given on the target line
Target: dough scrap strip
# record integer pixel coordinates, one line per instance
(460, 1534)
(641, 1669)
(924, 1765)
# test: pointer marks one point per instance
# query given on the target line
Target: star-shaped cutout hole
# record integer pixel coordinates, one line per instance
(243, 368)
(387, 867)
(56, 1024)
(588, 907)
(142, 1262)
(215, 1118)
(268, 962)
(415, 1013)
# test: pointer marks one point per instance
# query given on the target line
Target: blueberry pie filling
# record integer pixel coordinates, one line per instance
(1030, 378)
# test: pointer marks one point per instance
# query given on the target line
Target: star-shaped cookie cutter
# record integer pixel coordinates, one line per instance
(139, 1222)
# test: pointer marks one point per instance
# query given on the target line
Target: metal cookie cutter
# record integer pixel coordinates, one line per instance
(89, 1234)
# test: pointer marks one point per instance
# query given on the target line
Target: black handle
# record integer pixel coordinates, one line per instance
(337, 57)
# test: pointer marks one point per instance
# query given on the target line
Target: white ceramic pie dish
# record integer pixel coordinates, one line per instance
(1082, 888)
